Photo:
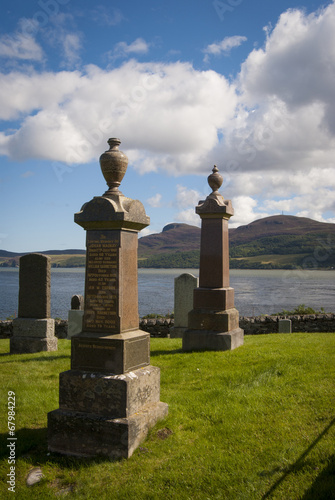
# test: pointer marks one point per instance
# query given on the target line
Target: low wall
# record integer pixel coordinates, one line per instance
(251, 325)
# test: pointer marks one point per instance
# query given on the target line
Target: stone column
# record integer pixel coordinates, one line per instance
(213, 323)
(34, 330)
(111, 396)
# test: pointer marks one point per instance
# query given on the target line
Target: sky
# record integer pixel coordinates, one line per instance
(185, 84)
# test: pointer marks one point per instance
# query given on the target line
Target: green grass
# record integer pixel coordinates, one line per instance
(256, 422)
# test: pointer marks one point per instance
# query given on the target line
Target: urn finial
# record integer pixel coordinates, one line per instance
(113, 165)
(215, 180)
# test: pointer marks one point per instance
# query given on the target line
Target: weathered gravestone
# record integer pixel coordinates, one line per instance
(213, 323)
(184, 286)
(111, 396)
(284, 326)
(34, 330)
(75, 316)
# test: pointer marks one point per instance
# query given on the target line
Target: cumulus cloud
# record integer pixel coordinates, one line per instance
(155, 201)
(271, 132)
(189, 106)
(224, 47)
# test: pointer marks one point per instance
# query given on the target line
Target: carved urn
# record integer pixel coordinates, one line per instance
(113, 165)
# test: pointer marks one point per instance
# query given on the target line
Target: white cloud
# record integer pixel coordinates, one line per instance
(122, 49)
(271, 133)
(245, 211)
(72, 46)
(224, 47)
(182, 110)
(20, 46)
(186, 197)
(188, 216)
(155, 201)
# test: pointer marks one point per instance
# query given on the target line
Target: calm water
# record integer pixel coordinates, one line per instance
(256, 291)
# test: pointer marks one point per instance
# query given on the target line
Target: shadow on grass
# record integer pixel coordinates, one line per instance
(40, 358)
(321, 481)
(32, 445)
(323, 487)
(161, 353)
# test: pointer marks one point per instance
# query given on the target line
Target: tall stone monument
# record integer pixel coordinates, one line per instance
(34, 330)
(111, 396)
(213, 324)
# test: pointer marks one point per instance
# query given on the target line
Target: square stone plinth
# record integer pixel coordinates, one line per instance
(29, 345)
(216, 320)
(197, 340)
(87, 434)
(113, 354)
(30, 327)
(113, 396)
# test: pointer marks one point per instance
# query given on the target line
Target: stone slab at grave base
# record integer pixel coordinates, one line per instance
(119, 353)
(197, 340)
(213, 330)
(107, 415)
(33, 335)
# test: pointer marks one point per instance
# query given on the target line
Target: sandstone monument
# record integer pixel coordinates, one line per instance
(34, 330)
(110, 398)
(213, 324)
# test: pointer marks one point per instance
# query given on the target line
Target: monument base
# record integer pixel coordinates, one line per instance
(117, 354)
(105, 414)
(197, 340)
(88, 435)
(213, 330)
(33, 335)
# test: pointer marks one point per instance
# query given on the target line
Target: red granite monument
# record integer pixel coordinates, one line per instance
(213, 324)
(111, 396)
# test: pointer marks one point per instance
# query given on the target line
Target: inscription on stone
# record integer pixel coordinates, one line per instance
(102, 296)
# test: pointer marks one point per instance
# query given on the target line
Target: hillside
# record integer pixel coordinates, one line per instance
(277, 242)
(59, 258)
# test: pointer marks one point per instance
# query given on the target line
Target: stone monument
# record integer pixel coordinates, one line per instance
(213, 324)
(110, 398)
(34, 330)
(183, 302)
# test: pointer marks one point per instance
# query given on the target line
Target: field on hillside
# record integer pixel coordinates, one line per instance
(253, 423)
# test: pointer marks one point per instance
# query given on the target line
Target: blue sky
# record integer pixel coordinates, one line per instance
(248, 86)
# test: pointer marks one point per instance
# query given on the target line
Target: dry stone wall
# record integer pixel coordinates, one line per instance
(258, 325)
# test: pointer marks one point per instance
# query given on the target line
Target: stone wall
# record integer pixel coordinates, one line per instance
(251, 325)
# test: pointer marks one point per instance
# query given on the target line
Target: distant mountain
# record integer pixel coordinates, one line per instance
(278, 225)
(4, 253)
(280, 241)
(276, 242)
(174, 238)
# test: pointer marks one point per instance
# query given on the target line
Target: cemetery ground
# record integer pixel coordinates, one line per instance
(256, 422)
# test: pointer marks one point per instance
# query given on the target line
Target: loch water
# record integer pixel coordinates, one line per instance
(256, 291)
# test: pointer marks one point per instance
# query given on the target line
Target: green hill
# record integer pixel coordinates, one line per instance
(277, 242)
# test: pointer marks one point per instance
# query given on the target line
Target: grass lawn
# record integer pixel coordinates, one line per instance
(254, 423)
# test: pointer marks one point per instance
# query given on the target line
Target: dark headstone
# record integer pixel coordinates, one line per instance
(34, 330)
(35, 285)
